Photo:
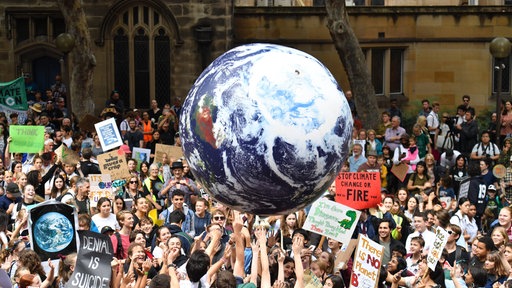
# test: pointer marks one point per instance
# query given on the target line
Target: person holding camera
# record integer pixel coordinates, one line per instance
(485, 148)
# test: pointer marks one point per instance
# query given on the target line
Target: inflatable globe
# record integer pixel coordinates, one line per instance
(53, 232)
(265, 129)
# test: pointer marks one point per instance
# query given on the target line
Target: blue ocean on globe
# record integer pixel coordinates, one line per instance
(265, 129)
(53, 232)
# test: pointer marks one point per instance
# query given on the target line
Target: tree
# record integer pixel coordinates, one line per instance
(353, 60)
(82, 58)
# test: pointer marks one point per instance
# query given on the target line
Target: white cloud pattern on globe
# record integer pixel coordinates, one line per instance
(265, 129)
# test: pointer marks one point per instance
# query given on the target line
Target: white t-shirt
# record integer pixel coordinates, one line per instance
(109, 221)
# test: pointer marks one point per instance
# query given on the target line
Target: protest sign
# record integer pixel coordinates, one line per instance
(445, 202)
(332, 220)
(87, 122)
(26, 139)
(359, 190)
(66, 155)
(437, 248)
(92, 267)
(400, 171)
(141, 155)
(114, 163)
(101, 186)
(52, 227)
(367, 262)
(108, 134)
(464, 188)
(173, 152)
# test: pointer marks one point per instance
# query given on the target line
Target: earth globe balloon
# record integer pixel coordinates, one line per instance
(265, 129)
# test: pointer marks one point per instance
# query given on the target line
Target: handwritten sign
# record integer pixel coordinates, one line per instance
(332, 220)
(101, 186)
(114, 163)
(92, 267)
(108, 133)
(437, 248)
(359, 190)
(26, 139)
(367, 262)
(66, 155)
(173, 152)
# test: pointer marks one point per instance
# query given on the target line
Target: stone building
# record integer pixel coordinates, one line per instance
(155, 49)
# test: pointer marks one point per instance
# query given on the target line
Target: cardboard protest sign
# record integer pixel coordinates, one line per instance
(437, 248)
(26, 139)
(367, 262)
(108, 133)
(66, 155)
(87, 122)
(114, 163)
(174, 152)
(400, 171)
(52, 229)
(332, 220)
(359, 190)
(344, 254)
(101, 186)
(92, 267)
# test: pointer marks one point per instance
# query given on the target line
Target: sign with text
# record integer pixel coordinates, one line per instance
(173, 152)
(464, 188)
(26, 139)
(437, 248)
(108, 133)
(101, 186)
(332, 220)
(359, 190)
(114, 163)
(92, 267)
(367, 262)
(66, 155)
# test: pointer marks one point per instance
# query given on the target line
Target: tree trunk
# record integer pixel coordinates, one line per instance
(354, 62)
(81, 58)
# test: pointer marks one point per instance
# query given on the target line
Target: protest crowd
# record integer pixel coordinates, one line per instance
(445, 189)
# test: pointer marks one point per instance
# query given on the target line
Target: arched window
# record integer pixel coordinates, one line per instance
(142, 57)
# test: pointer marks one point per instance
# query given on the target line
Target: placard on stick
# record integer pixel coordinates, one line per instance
(367, 262)
(332, 219)
(108, 133)
(359, 190)
(114, 163)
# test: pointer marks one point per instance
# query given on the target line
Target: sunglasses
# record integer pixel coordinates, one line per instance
(133, 182)
(219, 218)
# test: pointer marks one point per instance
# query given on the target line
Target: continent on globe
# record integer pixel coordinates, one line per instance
(265, 129)
(53, 232)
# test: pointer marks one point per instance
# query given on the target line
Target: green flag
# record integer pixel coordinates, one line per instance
(13, 95)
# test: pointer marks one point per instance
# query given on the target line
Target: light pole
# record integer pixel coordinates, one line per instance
(500, 49)
(65, 42)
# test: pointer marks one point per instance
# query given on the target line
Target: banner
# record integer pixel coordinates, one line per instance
(437, 248)
(332, 220)
(367, 262)
(26, 139)
(101, 186)
(114, 163)
(359, 190)
(13, 95)
(108, 133)
(66, 155)
(52, 229)
(92, 267)
(174, 152)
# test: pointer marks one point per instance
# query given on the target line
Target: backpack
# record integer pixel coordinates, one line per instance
(59, 198)
(120, 249)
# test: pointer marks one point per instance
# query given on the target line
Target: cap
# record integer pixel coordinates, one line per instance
(13, 189)
(126, 149)
(491, 188)
(107, 229)
(371, 153)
